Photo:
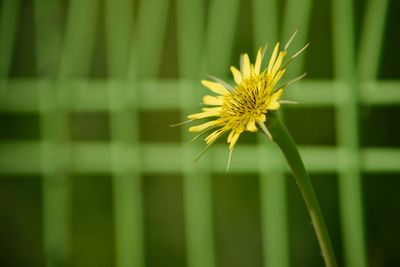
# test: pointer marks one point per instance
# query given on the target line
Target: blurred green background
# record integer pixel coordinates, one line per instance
(91, 174)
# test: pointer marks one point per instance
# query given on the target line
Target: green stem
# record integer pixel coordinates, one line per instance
(284, 140)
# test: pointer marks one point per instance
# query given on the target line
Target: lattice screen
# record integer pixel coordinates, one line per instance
(205, 44)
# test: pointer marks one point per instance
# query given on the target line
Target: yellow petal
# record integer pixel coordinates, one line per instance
(251, 126)
(234, 139)
(203, 126)
(277, 77)
(246, 66)
(257, 65)
(204, 114)
(213, 136)
(237, 75)
(215, 87)
(216, 109)
(212, 100)
(278, 62)
(273, 58)
(277, 95)
(273, 103)
(230, 136)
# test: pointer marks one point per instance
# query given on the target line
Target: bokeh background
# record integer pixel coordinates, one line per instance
(91, 174)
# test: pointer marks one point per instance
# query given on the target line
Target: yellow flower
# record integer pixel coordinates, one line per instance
(245, 106)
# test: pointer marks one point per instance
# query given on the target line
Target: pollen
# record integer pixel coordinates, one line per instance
(249, 103)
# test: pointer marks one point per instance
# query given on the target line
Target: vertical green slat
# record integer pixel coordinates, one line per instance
(8, 27)
(343, 40)
(49, 31)
(198, 214)
(276, 247)
(347, 133)
(273, 205)
(145, 49)
(265, 22)
(190, 37)
(56, 183)
(197, 187)
(272, 179)
(152, 20)
(56, 160)
(223, 15)
(296, 17)
(126, 168)
(119, 28)
(198, 202)
(125, 128)
(126, 181)
(372, 34)
(79, 39)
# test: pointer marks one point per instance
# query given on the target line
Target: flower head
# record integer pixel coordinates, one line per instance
(245, 106)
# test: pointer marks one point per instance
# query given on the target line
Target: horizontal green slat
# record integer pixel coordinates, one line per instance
(23, 96)
(94, 157)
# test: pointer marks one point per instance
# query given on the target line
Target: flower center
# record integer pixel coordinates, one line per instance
(248, 102)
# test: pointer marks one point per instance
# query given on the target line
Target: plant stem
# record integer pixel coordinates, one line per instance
(284, 140)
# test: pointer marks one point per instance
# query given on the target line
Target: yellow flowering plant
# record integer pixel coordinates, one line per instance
(250, 105)
(245, 106)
